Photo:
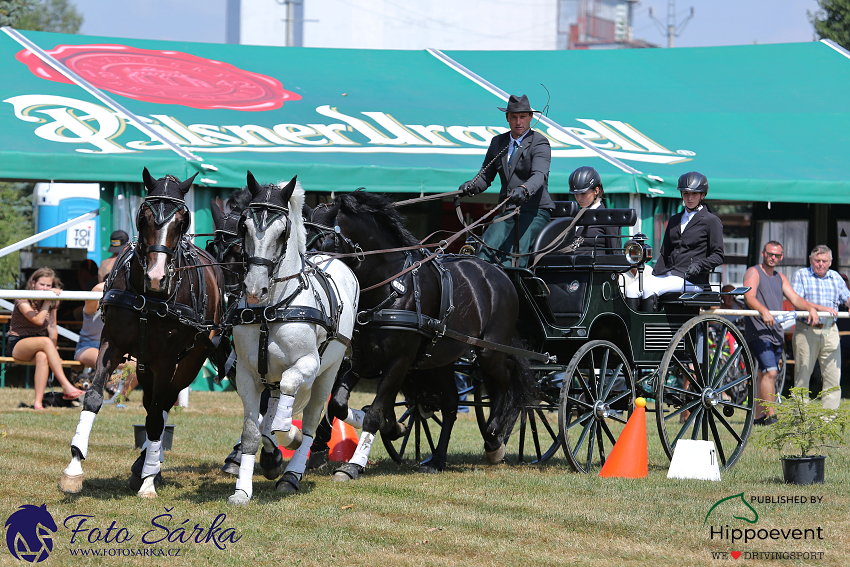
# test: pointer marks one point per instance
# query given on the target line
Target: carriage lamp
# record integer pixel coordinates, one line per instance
(468, 247)
(636, 249)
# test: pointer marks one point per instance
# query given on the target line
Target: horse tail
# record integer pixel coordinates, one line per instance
(522, 388)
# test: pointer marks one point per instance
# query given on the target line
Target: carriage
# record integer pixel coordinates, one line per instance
(694, 369)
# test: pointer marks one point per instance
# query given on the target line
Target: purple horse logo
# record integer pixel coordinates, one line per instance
(28, 533)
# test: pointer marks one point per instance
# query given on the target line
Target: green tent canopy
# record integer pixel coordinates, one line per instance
(763, 122)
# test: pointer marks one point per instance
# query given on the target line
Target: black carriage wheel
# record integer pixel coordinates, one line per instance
(535, 432)
(597, 396)
(422, 425)
(706, 393)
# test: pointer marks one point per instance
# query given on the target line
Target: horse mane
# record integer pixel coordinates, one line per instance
(296, 204)
(381, 209)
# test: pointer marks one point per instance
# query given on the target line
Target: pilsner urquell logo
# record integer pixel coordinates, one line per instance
(28, 533)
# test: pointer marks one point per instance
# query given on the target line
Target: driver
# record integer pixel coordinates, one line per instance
(692, 246)
(521, 157)
(586, 187)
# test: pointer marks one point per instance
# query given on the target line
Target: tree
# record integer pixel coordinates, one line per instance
(832, 21)
(41, 15)
(15, 225)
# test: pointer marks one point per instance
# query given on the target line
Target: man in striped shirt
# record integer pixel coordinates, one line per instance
(825, 290)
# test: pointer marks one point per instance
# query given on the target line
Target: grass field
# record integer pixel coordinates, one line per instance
(471, 514)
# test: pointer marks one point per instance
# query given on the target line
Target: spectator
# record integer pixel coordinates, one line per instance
(819, 341)
(89, 344)
(33, 336)
(117, 240)
(764, 335)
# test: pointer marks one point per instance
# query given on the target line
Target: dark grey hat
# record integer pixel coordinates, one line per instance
(518, 104)
(117, 240)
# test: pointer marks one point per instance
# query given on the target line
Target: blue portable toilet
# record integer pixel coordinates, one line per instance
(56, 203)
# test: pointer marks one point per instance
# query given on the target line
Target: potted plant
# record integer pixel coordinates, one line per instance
(805, 426)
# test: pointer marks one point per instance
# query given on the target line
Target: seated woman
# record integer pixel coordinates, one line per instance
(89, 345)
(586, 187)
(692, 247)
(33, 336)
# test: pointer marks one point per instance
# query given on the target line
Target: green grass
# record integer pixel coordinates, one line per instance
(471, 514)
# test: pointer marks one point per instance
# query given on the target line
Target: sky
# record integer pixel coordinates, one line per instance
(715, 22)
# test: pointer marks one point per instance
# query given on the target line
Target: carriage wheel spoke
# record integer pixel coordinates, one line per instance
(590, 442)
(687, 373)
(718, 442)
(533, 427)
(427, 431)
(607, 433)
(696, 372)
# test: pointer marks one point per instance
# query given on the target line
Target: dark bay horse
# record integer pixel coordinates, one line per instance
(469, 295)
(162, 304)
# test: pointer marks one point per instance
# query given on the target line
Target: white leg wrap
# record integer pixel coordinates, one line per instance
(260, 420)
(361, 454)
(183, 398)
(81, 437)
(268, 421)
(298, 462)
(283, 415)
(74, 468)
(287, 439)
(355, 418)
(152, 459)
(245, 482)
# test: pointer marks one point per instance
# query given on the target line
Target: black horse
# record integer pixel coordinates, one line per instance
(226, 248)
(162, 304)
(397, 338)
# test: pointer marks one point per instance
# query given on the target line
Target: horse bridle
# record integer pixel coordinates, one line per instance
(156, 204)
(324, 231)
(264, 214)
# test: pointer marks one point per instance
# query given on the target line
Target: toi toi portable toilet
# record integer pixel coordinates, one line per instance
(56, 203)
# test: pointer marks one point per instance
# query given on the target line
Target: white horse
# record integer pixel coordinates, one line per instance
(303, 309)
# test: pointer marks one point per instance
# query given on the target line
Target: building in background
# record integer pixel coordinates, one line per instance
(442, 24)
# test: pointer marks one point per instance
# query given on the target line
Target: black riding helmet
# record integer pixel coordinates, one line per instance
(584, 179)
(691, 181)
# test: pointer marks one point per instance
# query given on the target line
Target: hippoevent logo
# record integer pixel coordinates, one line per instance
(741, 507)
(28, 533)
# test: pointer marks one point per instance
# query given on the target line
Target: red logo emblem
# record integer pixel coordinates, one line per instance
(163, 77)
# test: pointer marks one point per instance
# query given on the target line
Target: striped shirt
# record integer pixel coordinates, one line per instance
(829, 291)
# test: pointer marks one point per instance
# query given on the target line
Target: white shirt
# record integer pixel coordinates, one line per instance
(518, 143)
(687, 216)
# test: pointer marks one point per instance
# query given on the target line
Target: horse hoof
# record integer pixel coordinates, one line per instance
(288, 483)
(135, 481)
(71, 483)
(230, 468)
(292, 439)
(271, 463)
(348, 471)
(239, 498)
(497, 456)
(318, 459)
(148, 490)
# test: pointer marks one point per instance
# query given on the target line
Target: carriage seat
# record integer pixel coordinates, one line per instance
(592, 217)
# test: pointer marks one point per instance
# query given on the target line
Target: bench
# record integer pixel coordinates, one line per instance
(563, 216)
(65, 363)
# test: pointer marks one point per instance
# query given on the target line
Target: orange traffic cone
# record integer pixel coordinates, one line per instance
(287, 454)
(343, 441)
(628, 458)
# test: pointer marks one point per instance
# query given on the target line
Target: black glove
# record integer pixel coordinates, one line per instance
(469, 189)
(692, 271)
(518, 196)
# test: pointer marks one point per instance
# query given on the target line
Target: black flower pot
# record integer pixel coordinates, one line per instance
(803, 470)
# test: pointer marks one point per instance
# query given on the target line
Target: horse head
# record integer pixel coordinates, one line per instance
(226, 246)
(272, 233)
(163, 219)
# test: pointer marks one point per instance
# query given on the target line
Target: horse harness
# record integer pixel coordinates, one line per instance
(405, 320)
(190, 315)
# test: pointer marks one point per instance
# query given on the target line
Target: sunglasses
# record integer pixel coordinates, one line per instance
(773, 254)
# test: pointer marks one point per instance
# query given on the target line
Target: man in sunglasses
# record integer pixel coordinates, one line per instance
(764, 335)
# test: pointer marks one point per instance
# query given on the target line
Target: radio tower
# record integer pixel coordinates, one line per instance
(671, 30)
